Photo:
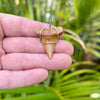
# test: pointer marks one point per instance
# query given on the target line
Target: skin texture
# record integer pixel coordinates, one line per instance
(2, 52)
(25, 61)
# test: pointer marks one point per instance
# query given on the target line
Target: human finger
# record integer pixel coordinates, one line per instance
(17, 79)
(20, 61)
(33, 45)
(20, 26)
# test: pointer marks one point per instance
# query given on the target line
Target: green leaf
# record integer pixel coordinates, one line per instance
(30, 9)
(95, 39)
(94, 52)
(46, 96)
(96, 46)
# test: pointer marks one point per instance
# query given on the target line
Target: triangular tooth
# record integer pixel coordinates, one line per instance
(49, 49)
(47, 36)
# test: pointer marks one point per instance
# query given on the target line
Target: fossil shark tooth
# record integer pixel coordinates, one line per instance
(49, 47)
(49, 37)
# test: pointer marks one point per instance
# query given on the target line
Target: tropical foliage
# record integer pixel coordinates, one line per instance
(80, 20)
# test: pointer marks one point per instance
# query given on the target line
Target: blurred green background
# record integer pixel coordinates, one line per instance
(81, 22)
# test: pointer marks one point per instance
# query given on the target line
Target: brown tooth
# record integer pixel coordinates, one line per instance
(49, 47)
(49, 35)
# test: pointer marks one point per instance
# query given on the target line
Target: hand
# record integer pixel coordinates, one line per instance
(26, 62)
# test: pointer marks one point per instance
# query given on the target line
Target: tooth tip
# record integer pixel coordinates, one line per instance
(50, 56)
(49, 49)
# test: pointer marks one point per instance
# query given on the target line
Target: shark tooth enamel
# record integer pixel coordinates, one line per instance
(49, 38)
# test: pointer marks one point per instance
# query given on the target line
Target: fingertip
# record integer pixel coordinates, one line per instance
(65, 47)
(42, 74)
(36, 76)
(71, 48)
(60, 62)
(67, 62)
